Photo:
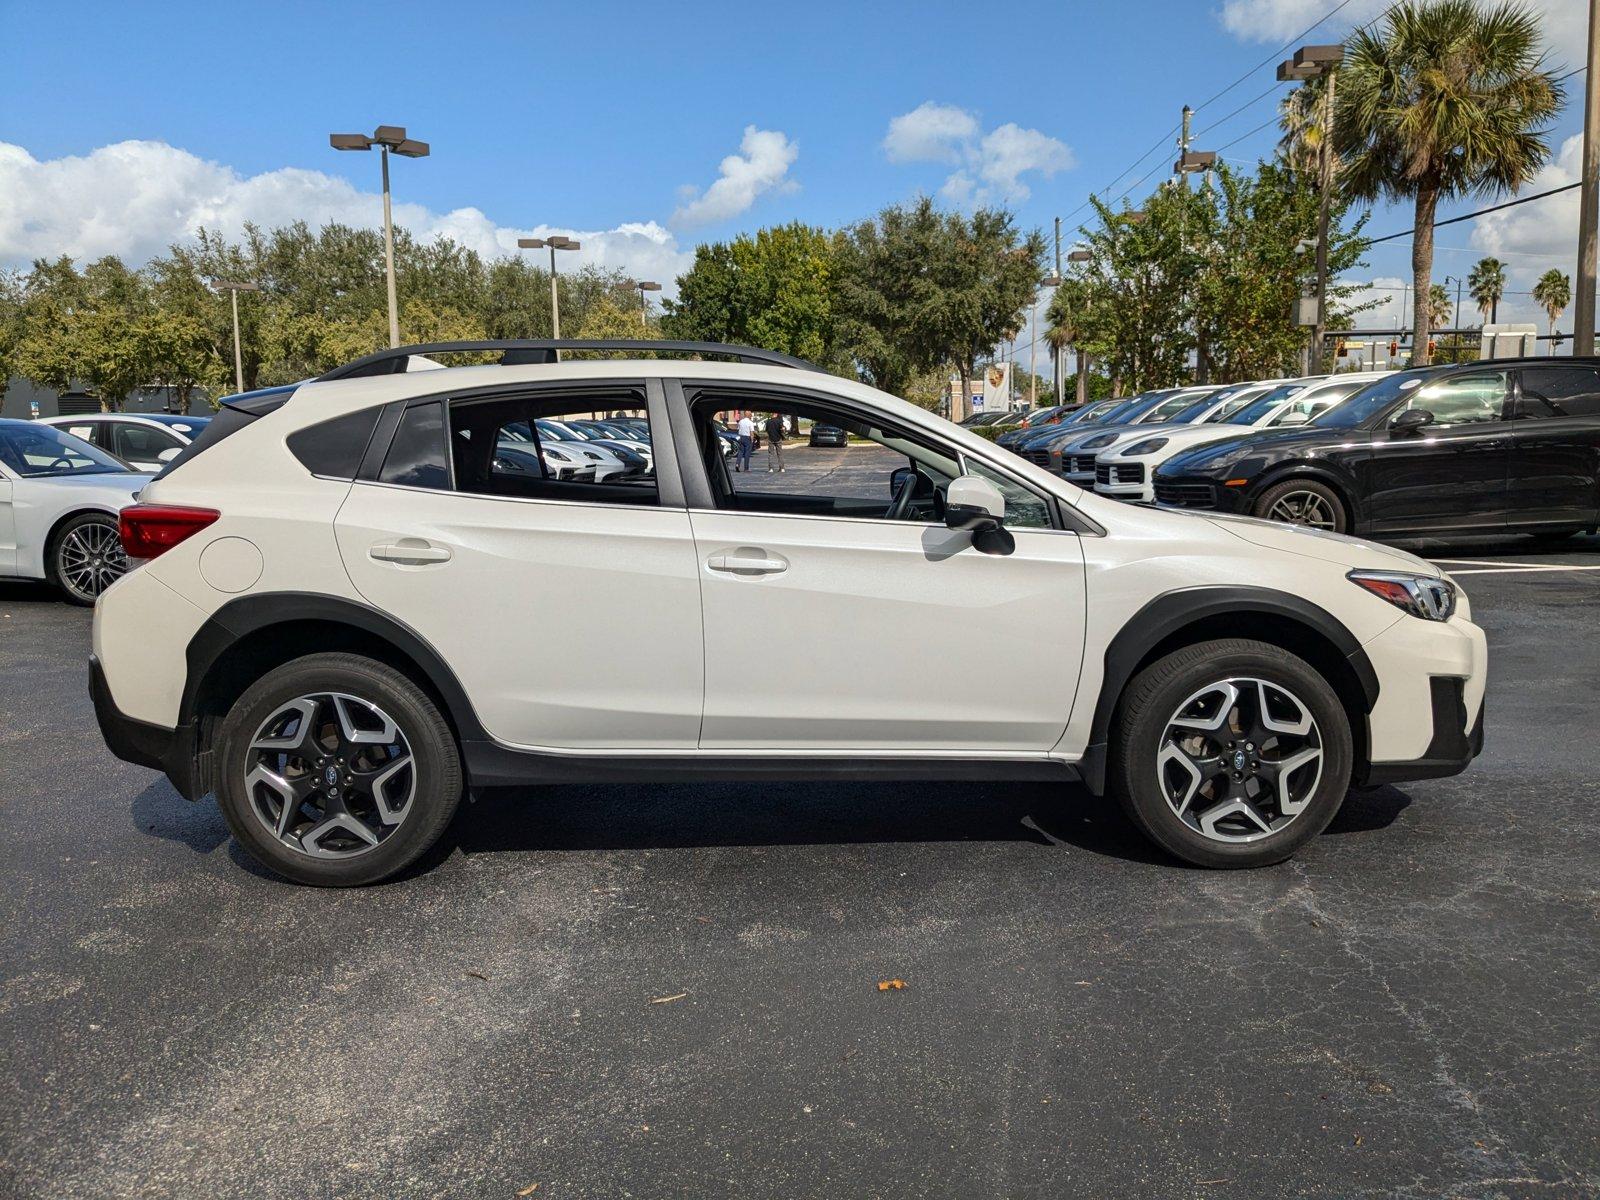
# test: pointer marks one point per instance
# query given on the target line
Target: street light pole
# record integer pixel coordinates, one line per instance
(1060, 383)
(554, 242)
(1583, 314)
(1312, 62)
(645, 285)
(387, 138)
(233, 289)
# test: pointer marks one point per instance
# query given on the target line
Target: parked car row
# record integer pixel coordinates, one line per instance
(1508, 445)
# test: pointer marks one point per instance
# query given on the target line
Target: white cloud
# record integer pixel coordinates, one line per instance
(991, 164)
(762, 165)
(930, 133)
(1566, 21)
(136, 198)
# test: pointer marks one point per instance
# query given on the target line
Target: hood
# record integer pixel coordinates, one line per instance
(1182, 437)
(1316, 543)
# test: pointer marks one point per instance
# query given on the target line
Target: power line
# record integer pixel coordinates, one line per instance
(1266, 62)
(1481, 212)
(1237, 111)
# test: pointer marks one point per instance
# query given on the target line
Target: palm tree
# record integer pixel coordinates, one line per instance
(1487, 283)
(1300, 117)
(1553, 293)
(1441, 308)
(1449, 98)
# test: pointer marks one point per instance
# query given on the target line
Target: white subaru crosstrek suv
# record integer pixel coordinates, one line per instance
(333, 614)
(1127, 471)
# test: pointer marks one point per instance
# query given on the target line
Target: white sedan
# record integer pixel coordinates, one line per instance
(59, 500)
(145, 441)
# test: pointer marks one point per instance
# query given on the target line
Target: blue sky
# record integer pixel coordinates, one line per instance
(611, 118)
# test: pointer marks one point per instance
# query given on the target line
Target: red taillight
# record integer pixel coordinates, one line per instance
(152, 529)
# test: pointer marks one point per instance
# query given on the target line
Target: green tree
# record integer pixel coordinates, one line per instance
(1448, 98)
(1553, 293)
(773, 289)
(921, 289)
(115, 332)
(182, 332)
(49, 342)
(10, 326)
(1487, 283)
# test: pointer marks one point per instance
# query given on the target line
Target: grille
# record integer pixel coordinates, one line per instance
(1186, 495)
(1039, 458)
(1119, 473)
(1077, 464)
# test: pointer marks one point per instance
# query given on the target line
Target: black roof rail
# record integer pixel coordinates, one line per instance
(518, 351)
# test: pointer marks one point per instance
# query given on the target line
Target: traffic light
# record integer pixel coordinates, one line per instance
(1394, 348)
(1432, 347)
(1343, 350)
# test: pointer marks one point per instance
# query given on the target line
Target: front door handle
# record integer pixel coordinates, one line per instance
(410, 552)
(747, 562)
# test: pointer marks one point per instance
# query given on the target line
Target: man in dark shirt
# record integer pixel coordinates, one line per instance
(775, 443)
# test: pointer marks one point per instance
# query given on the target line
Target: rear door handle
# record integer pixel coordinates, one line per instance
(747, 564)
(413, 552)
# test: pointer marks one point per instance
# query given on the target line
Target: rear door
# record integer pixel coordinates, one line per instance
(570, 613)
(1554, 475)
(1452, 474)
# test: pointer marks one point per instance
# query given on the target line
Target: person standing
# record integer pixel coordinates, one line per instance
(747, 441)
(775, 437)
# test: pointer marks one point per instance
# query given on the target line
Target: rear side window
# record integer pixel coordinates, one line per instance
(417, 456)
(1560, 392)
(334, 448)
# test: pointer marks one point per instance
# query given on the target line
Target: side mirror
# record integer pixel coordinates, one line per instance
(170, 453)
(897, 477)
(1413, 420)
(976, 506)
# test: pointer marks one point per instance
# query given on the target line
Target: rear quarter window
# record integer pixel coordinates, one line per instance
(333, 449)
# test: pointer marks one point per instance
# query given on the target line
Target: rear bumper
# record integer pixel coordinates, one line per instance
(171, 751)
(1452, 747)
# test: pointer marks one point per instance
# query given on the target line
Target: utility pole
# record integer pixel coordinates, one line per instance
(1060, 382)
(1183, 145)
(1311, 62)
(233, 289)
(1583, 314)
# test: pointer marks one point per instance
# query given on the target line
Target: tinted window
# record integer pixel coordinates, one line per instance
(1374, 400)
(334, 448)
(548, 445)
(140, 443)
(30, 449)
(416, 457)
(1460, 399)
(1560, 392)
(1260, 407)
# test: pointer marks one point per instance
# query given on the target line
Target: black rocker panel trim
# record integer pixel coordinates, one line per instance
(1170, 612)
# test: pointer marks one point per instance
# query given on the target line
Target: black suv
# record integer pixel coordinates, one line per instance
(1505, 445)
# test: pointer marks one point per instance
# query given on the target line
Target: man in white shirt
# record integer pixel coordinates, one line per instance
(747, 442)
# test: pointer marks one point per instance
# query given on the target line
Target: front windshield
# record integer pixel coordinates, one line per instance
(1128, 409)
(1090, 413)
(42, 450)
(1364, 405)
(1169, 409)
(1196, 409)
(1263, 405)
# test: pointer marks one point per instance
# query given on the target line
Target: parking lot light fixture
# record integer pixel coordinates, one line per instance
(552, 243)
(233, 288)
(386, 138)
(645, 285)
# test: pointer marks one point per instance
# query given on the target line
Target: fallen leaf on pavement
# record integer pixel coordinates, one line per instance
(478, 975)
(529, 1190)
(885, 984)
(668, 999)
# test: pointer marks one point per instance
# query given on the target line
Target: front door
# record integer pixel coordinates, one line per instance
(1554, 476)
(1449, 475)
(842, 616)
(569, 611)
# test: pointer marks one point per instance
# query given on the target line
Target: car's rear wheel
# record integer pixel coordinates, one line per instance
(336, 770)
(86, 556)
(1304, 502)
(1231, 753)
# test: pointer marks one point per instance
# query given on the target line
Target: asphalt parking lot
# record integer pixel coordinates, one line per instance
(650, 991)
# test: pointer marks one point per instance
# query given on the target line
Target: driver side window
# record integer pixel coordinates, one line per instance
(1461, 400)
(771, 454)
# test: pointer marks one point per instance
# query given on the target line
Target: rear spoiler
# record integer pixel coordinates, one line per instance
(261, 401)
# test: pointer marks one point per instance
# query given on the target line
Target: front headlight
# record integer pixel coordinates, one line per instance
(1099, 440)
(1424, 596)
(1148, 446)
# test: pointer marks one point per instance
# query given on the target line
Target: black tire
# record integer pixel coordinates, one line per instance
(1287, 492)
(1153, 697)
(78, 583)
(436, 758)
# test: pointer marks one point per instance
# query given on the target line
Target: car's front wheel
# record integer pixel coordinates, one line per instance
(86, 556)
(1231, 753)
(336, 770)
(1304, 502)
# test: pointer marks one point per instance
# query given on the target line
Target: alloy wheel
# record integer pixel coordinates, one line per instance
(330, 775)
(90, 559)
(1240, 759)
(1303, 508)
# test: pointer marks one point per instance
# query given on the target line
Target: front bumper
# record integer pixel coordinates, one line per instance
(1451, 749)
(1199, 492)
(171, 751)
